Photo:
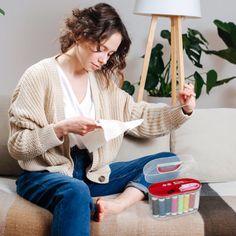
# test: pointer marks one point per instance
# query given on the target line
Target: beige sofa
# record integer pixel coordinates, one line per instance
(209, 137)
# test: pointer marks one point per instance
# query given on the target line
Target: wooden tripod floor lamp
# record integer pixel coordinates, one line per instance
(175, 10)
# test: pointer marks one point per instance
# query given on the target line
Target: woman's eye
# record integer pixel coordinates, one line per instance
(95, 50)
(110, 54)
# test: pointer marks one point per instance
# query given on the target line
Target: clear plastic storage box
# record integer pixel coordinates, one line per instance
(162, 169)
(168, 168)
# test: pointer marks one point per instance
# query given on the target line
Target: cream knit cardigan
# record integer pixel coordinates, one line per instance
(37, 104)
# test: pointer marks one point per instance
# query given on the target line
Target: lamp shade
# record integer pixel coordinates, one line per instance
(187, 8)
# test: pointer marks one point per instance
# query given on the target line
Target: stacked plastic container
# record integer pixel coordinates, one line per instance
(170, 195)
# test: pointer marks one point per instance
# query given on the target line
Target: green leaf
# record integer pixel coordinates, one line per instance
(197, 35)
(153, 92)
(156, 63)
(128, 87)
(152, 81)
(211, 80)
(227, 54)
(224, 81)
(165, 34)
(227, 32)
(165, 89)
(199, 82)
(2, 12)
(192, 42)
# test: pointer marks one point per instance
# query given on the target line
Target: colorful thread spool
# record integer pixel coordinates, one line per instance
(186, 202)
(174, 205)
(155, 206)
(191, 201)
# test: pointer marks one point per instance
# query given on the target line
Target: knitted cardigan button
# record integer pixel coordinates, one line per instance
(101, 178)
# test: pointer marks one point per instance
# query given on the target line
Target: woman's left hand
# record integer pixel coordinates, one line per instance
(187, 98)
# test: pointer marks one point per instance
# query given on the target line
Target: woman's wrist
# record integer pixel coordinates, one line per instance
(60, 129)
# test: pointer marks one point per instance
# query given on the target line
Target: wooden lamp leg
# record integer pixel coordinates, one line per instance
(147, 57)
(173, 61)
(177, 58)
(180, 53)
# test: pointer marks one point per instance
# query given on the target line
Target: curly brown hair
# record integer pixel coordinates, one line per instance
(96, 24)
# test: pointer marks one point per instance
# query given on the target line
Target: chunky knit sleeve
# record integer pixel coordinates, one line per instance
(30, 118)
(158, 120)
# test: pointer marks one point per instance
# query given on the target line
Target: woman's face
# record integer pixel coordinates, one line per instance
(92, 57)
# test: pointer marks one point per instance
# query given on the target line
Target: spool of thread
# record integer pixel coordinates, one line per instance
(186, 202)
(155, 206)
(191, 201)
(168, 205)
(180, 204)
(174, 205)
(197, 198)
(162, 210)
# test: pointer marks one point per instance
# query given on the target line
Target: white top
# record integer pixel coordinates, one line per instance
(73, 108)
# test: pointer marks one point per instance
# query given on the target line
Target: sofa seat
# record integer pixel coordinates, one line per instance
(24, 218)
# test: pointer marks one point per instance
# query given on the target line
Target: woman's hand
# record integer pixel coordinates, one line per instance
(76, 125)
(187, 98)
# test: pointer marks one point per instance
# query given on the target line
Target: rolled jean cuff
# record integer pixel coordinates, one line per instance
(139, 186)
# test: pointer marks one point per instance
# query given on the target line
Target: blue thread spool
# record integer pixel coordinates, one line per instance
(168, 206)
(162, 208)
(155, 206)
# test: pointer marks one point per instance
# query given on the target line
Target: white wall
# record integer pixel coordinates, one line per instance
(30, 30)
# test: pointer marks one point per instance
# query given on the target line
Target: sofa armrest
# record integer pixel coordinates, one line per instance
(209, 136)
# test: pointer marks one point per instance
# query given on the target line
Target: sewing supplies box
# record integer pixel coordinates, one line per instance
(174, 197)
(170, 195)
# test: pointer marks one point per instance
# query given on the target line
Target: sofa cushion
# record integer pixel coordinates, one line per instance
(133, 148)
(8, 166)
(209, 136)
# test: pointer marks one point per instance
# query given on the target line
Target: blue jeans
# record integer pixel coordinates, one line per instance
(69, 199)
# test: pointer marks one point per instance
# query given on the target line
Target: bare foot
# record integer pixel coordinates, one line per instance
(106, 207)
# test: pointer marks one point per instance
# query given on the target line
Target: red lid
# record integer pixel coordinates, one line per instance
(173, 187)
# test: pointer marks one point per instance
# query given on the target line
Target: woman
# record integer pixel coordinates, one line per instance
(58, 100)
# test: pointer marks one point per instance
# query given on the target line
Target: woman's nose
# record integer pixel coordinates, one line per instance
(103, 58)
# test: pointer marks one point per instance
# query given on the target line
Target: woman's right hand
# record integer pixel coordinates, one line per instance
(76, 125)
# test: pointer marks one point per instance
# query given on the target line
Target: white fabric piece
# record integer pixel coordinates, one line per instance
(109, 130)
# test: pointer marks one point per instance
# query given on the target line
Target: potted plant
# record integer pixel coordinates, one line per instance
(158, 81)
